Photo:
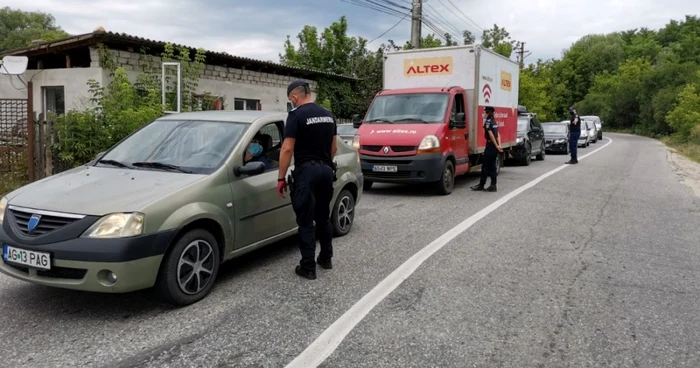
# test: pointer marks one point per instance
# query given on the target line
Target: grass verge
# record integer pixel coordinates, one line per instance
(689, 149)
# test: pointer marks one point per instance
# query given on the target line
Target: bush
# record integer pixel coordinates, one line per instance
(115, 114)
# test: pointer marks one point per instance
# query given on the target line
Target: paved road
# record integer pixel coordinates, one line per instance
(597, 265)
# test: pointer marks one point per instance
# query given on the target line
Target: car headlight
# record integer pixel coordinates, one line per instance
(356, 141)
(520, 140)
(3, 206)
(117, 225)
(429, 144)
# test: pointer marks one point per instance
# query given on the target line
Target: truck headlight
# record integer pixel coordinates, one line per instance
(356, 141)
(3, 206)
(117, 225)
(429, 144)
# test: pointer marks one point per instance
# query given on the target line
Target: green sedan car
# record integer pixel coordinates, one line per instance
(163, 208)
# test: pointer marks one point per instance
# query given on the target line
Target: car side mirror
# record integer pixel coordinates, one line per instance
(250, 169)
(459, 122)
(356, 122)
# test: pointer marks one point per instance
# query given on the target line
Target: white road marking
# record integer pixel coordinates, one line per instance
(330, 339)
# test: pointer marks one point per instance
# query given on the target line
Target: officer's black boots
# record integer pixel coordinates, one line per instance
(571, 162)
(478, 187)
(491, 188)
(327, 264)
(306, 274)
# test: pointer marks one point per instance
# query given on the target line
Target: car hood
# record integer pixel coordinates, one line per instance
(555, 136)
(90, 190)
(396, 134)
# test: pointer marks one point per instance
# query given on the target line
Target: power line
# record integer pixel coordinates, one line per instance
(464, 17)
(392, 27)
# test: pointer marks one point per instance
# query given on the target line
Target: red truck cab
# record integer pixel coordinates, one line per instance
(417, 135)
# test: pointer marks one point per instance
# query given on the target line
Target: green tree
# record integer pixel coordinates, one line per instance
(498, 40)
(19, 28)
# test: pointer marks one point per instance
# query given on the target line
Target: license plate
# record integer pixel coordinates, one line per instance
(547, 144)
(381, 168)
(27, 258)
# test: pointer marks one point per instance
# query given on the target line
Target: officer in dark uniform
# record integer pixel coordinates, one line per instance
(310, 135)
(493, 146)
(574, 134)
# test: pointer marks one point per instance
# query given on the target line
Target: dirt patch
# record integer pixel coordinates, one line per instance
(688, 170)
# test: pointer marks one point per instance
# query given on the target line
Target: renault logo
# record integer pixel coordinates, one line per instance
(33, 222)
(386, 150)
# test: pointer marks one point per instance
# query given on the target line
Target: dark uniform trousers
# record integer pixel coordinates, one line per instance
(573, 145)
(490, 165)
(311, 198)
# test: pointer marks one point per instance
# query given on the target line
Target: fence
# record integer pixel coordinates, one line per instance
(14, 147)
(14, 156)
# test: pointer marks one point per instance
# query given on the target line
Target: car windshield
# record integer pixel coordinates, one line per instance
(554, 128)
(346, 129)
(192, 146)
(523, 124)
(409, 108)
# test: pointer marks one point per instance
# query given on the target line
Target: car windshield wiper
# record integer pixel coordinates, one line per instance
(114, 163)
(160, 165)
(413, 119)
(379, 120)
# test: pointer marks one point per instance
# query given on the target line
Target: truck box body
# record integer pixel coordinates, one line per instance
(488, 78)
(414, 132)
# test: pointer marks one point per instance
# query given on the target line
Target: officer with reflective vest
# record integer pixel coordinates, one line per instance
(310, 135)
(493, 146)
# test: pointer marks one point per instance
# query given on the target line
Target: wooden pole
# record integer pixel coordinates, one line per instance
(30, 131)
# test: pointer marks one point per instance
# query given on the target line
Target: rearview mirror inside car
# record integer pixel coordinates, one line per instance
(251, 168)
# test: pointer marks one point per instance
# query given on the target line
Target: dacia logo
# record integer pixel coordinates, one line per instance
(33, 223)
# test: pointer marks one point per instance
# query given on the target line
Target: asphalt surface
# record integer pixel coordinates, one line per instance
(596, 266)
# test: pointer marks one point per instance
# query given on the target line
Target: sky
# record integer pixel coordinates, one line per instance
(258, 29)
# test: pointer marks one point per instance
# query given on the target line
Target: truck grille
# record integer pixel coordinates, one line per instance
(393, 148)
(46, 224)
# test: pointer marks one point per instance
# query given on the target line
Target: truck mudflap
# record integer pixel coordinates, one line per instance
(425, 168)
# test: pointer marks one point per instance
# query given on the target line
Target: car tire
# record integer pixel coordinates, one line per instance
(528, 156)
(193, 244)
(343, 215)
(447, 180)
(367, 184)
(540, 157)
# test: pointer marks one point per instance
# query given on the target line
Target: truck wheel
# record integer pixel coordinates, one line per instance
(501, 162)
(343, 213)
(447, 181)
(367, 184)
(188, 271)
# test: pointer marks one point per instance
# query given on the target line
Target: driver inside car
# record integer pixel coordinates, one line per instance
(255, 152)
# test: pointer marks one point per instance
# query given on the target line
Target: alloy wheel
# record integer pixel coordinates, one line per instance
(195, 267)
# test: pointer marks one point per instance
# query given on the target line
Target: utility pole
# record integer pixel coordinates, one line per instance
(416, 21)
(521, 55)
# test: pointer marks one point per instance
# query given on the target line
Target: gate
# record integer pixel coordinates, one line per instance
(14, 148)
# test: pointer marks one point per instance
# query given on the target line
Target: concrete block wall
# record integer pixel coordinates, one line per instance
(131, 62)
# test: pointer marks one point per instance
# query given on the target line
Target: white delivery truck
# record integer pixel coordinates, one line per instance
(426, 124)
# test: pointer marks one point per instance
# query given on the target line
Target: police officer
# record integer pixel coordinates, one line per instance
(310, 135)
(493, 146)
(574, 134)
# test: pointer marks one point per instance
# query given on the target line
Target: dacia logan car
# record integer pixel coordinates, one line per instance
(163, 208)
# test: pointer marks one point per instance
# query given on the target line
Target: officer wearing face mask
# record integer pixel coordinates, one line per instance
(489, 168)
(310, 135)
(255, 153)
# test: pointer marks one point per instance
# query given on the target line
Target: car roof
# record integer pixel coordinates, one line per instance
(237, 116)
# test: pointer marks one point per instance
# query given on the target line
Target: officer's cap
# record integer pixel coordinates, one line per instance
(295, 84)
(572, 108)
(489, 109)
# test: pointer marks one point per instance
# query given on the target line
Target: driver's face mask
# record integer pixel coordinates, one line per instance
(255, 149)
